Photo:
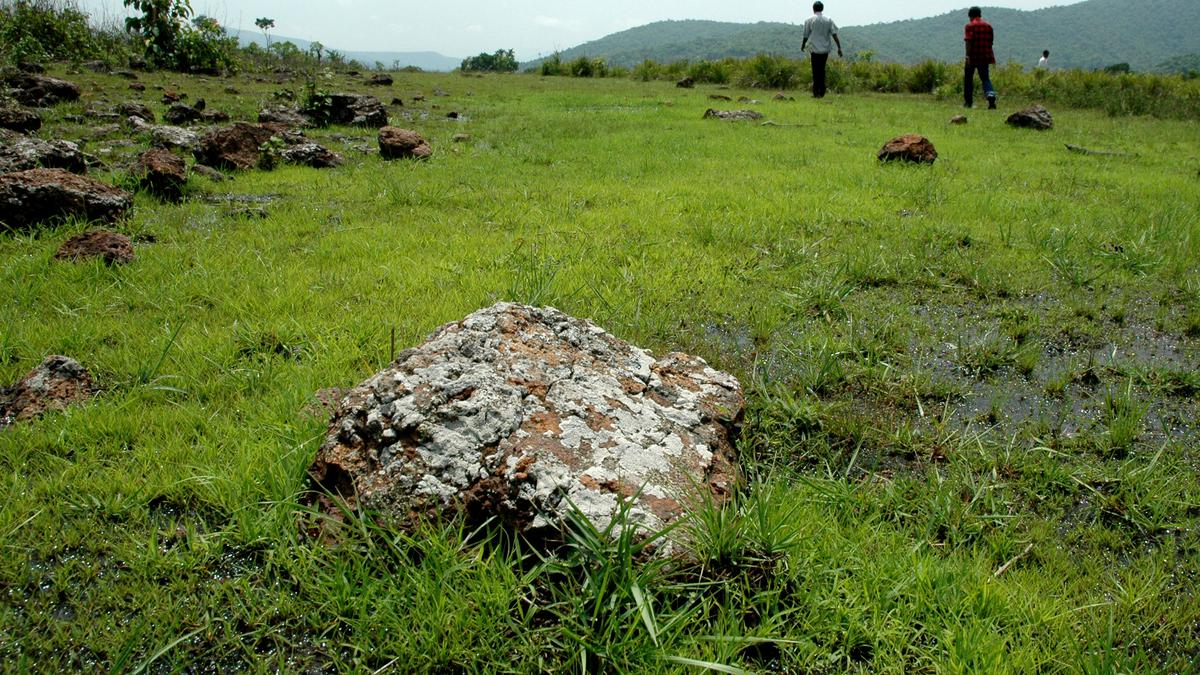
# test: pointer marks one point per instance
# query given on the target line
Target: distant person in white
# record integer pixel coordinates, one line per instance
(824, 34)
(1044, 62)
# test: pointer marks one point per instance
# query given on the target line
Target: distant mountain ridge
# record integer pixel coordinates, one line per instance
(1089, 34)
(422, 60)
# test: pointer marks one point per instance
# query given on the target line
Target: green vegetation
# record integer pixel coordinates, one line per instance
(503, 61)
(1090, 34)
(971, 439)
(36, 30)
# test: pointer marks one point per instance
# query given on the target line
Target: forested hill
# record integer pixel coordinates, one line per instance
(1088, 34)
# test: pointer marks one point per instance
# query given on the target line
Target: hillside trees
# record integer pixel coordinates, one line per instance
(503, 61)
(170, 41)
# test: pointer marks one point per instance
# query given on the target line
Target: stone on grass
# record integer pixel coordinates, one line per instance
(181, 113)
(397, 143)
(733, 115)
(1033, 117)
(313, 155)
(516, 413)
(349, 109)
(780, 96)
(19, 119)
(686, 83)
(719, 97)
(958, 119)
(162, 172)
(909, 148)
(136, 109)
(112, 247)
(54, 385)
(380, 80)
(164, 136)
(279, 114)
(40, 91)
(233, 147)
(20, 153)
(35, 196)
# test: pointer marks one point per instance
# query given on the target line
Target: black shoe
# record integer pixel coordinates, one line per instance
(991, 103)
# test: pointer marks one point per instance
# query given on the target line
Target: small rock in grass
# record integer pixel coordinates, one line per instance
(313, 155)
(57, 383)
(1033, 117)
(112, 247)
(136, 109)
(958, 119)
(397, 143)
(161, 172)
(686, 83)
(234, 147)
(733, 115)
(42, 91)
(909, 148)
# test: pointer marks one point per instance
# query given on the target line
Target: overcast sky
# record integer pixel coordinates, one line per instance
(468, 27)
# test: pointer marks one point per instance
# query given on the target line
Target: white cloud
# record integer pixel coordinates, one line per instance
(474, 28)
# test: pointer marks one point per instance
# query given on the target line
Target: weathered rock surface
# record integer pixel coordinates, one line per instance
(780, 96)
(349, 109)
(136, 109)
(162, 172)
(113, 247)
(958, 119)
(380, 80)
(686, 83)
(517, 412)
(39, 90)
(1033, 117)
(909, 148)
(311, 154)
(719, 97)
(20, 153)
(397, 143)
(279, 114)
(181, 113)
(173, 137)
(54, 385)
(733, 115)
(19, 119)
(37, 195)
(237, 146)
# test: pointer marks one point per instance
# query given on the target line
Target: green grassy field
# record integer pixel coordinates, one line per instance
(972, 434)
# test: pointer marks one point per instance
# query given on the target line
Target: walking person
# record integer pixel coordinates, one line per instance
(823, 34)
(1044, 62)
(978, 36)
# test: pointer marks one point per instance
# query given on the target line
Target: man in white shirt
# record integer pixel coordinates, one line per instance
(823, 34)
(1044, 62)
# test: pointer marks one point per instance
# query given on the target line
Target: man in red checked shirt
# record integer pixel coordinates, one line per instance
(978, 37)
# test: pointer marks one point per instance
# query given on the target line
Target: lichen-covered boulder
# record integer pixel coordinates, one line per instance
(908, 148)
(19, 153)
(233, 147)
(54, 385)
(37, 195)
(313, 155)
(516, 413)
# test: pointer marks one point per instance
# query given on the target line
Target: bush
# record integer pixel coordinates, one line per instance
(712, 72)
(553, 66)
(171, 42)
(35, 30)
(503, 61)
(926, 77)
(588, 67)
(769, 72)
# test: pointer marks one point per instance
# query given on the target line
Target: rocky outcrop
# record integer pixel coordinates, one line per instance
(181, 113)
(348, 109)
(20, 153)
(397, 143)
(164, 136)
(284, 115)
(162, 173)
(313, 155)
(380, 80)
(40, 91)
(733, 115)
(234, 147)
(136, 109)
(19, 119)
(31, 197)
(56, 384)
(908, 148)
(1033, 117)
(112, 247)
(517, 413)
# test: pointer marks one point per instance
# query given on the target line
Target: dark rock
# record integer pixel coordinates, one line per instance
(908, 148)
(418, 98)
(95, 66)
(137, 63)
(209, 173)
(719, 97)
(136, 109)
(170, 96)
(173, 137)
(519, 415)
(460, 138)
(282, 115)
(181, 113)
(200, 104)
(20, 153)
(380, 80)
(31, 68)
(127, 74)
(780, 96)
(162, 173)
(311, 154)
(397, 143)
(232, 91)
(214, 116)
(56, 384)
(41, 91)
(19, 119)
(1033, 117)
(398, 102)
(113, 247)
(453, 114)
(137, 86)
(733, 115)
(686, 83)
(958, 119)
(234, 147)
(38, 195)
(349, 109)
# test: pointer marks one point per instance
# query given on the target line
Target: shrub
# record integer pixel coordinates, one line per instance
(553, 66)
(171, 42)
(33, 30)
(503, 61)
(769, 72)
(926, 77)
(713, 72)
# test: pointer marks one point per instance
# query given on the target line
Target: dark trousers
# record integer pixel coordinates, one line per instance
(969, 83)
(818, 66)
